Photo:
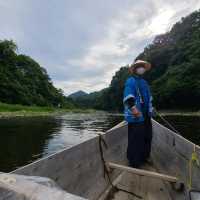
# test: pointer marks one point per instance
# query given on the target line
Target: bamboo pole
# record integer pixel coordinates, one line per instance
(142, 172)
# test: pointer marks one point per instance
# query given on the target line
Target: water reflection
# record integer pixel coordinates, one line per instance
(187, 126)
(24, 140)
(77, 128)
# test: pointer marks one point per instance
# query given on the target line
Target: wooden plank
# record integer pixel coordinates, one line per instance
(147, 187)
(143, 172)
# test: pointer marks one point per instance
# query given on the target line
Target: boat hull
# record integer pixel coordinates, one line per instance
(79, 170)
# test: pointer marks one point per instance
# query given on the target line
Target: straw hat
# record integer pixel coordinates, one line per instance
(143, 63)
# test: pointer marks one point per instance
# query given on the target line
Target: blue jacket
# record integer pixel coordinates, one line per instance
(137, 88)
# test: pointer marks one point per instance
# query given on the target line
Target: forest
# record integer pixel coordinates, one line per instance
(23, 81)
(175, 74)
(174, 78)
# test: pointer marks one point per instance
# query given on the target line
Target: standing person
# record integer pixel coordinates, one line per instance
(137, 112)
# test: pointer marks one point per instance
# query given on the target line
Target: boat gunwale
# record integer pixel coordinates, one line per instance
(119, 125)
(174, 133)
(109, 131)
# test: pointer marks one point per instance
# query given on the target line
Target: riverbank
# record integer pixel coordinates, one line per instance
(180, 113)
(10, 110)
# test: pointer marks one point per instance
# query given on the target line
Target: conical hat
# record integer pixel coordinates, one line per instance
(143, 63)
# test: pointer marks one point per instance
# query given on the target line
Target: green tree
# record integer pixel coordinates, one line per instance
(24, 81)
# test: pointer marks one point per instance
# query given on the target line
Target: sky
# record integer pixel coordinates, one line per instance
(82, 43)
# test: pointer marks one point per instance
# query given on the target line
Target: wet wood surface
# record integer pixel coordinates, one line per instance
(143, 172)
(148, 188)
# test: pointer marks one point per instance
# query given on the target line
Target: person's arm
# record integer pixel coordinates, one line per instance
(130, 102)
(129, 98)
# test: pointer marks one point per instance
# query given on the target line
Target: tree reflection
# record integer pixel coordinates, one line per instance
(23, 140)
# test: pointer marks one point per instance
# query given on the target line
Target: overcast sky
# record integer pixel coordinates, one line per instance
(82, 43)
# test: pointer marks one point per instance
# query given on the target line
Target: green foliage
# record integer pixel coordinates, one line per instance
(17, 110)
(175, 74)
(16, 107)
(179, 87)
(24, 81)
(109, 98)
(112, 96)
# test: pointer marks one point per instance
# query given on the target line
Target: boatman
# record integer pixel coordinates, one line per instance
(138, 112)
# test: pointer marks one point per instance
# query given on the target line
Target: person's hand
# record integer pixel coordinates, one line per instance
(153, 112)
(136, 112)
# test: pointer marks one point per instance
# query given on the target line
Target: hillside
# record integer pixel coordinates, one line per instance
(24, 81)
(175, 77)
(175, 57)
(77, 94)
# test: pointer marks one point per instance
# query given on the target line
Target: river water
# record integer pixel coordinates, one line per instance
(24, 140)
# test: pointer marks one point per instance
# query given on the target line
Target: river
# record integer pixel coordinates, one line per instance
(24, 140)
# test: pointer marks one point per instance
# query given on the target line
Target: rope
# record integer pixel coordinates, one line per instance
(102, 143)
(165, 121)
(105, 169)
(193, 159)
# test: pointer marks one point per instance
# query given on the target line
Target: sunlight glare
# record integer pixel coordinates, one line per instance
(160, 23)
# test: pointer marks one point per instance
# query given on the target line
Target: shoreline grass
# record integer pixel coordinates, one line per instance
(16, 110)
(179, 112)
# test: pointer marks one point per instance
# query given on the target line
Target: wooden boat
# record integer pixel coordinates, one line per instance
(79, 170)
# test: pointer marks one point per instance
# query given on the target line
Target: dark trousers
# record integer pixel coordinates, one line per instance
(139, 142)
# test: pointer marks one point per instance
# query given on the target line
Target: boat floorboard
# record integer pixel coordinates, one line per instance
(146, 187)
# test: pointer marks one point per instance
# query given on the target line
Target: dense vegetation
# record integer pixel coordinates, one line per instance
(16, 110)
(175, 77)
(175, 56)
(24, 81)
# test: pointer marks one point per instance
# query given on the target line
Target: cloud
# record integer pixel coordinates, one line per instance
(83, 43)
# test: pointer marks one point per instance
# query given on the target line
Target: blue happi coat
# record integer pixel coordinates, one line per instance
(137, 88)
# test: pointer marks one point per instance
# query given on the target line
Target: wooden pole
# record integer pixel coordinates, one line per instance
(142, 172)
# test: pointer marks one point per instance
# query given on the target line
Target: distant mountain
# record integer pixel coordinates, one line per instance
(77, 94)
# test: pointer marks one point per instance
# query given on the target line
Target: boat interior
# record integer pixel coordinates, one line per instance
(130, 186)
(95, 171)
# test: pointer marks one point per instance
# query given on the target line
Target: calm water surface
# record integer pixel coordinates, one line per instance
(23, 140)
